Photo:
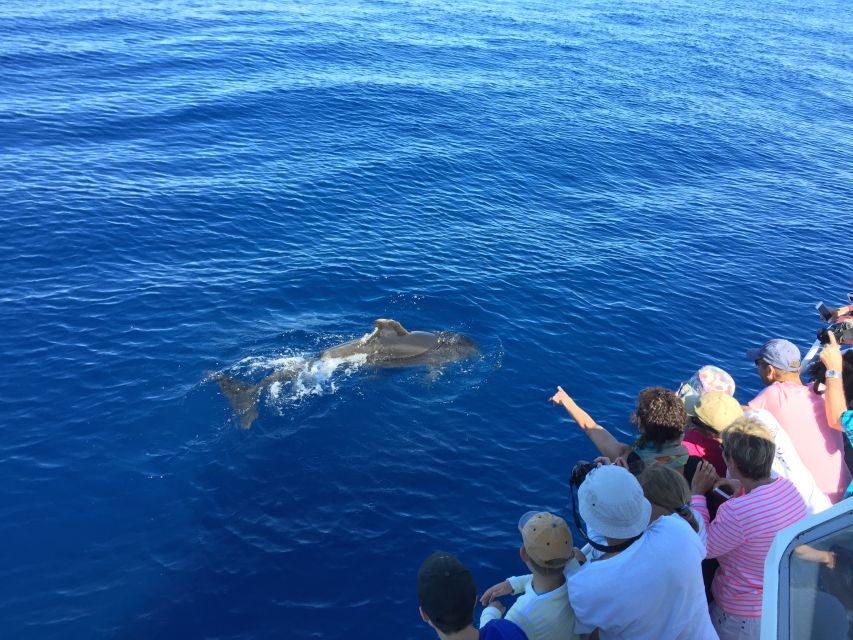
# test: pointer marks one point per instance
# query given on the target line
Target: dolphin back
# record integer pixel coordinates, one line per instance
(385, 346)
(390, 345)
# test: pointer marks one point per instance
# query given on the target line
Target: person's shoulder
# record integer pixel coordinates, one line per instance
(780, 491)
(783, 486)
(693, 438)
(788, 500)
(764, 416)
(672, 529)
(767, 394)
(779, 388)
(571, 568)
(783, 394)
(671, 522)
(501, 630)
(592, 573)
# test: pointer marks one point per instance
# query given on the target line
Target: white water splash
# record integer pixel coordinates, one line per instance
(312, 376)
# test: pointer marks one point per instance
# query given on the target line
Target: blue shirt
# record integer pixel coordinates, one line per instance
(847, 425)
(501, 630)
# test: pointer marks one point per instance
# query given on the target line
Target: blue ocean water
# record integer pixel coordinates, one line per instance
(605, 196)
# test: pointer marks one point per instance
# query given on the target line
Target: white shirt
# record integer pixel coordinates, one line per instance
(591, 553)
(788, 464)
(651, 591)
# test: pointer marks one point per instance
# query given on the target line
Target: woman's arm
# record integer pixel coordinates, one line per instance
(724, 534)
(601, 437)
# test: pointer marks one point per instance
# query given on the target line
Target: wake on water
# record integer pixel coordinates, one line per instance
(280, 382)
(303, 376)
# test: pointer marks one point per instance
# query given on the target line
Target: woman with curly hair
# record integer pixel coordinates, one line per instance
(660, 418)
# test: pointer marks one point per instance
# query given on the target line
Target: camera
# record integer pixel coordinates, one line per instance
(581, 470)
(843, 332)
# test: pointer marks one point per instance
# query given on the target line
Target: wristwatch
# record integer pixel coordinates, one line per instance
(832, 374)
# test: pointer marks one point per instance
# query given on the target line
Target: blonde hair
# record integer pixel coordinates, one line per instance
(748, 442)
(667, 488)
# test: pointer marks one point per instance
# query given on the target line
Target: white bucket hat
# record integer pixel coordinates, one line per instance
(611, 501)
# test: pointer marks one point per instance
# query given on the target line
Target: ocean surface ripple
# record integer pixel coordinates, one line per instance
(606, 196)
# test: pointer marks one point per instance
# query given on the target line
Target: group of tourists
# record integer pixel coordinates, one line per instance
(678, 523)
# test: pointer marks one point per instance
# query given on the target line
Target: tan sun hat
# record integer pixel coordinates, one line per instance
(718, 409)
(546, 538)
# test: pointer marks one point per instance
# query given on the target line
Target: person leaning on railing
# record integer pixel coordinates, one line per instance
(745, 525)
(660, 418)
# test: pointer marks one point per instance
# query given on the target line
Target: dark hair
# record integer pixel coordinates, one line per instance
(446, 592)
(660, 414)
(703, 427)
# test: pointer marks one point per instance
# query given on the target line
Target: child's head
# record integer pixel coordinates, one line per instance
(547, 542)
(446, 592)
(668, 489)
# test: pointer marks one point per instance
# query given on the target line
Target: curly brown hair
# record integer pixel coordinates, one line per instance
(660, 416)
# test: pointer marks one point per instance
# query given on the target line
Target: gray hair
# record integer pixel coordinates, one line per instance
(748, 442)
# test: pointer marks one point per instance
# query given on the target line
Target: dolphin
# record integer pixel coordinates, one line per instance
(388, 345)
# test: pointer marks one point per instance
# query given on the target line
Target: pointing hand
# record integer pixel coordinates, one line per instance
(561, 397)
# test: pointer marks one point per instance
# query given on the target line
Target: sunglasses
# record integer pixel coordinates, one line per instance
(685, 389)
(702, 425)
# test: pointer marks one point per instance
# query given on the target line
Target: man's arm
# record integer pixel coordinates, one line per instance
(833, 400)
(841, 311)
(601, 437)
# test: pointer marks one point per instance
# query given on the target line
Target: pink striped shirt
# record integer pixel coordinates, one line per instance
(740, 537)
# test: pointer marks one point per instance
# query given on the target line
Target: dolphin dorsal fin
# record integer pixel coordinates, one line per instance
(381, 324)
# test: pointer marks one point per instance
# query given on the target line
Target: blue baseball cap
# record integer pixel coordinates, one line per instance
(782, 354)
